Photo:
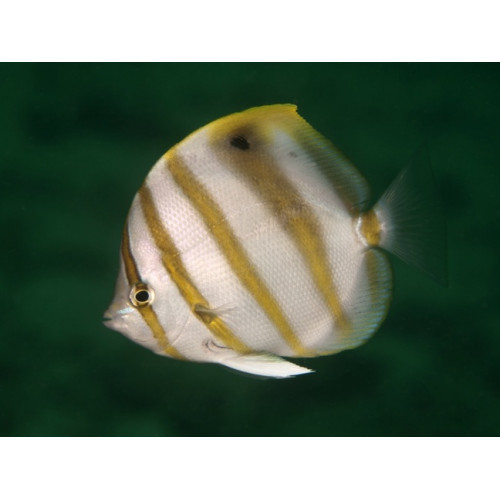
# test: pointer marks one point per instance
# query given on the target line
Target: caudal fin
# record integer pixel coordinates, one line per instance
(412, 221)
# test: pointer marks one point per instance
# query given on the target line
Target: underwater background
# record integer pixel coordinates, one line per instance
(77, 142)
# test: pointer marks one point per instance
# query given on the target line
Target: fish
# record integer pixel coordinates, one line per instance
(254, 241)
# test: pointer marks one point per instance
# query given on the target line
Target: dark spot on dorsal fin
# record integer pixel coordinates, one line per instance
(240, 142)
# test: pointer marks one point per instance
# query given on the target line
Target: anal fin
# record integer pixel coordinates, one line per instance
(267, 365)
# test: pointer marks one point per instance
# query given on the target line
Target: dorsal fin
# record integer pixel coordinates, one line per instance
(345, 179)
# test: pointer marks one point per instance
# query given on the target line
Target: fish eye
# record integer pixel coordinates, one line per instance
(141, 295)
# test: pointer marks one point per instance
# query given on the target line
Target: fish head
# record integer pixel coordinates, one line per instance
(141, 309)
(124, 312)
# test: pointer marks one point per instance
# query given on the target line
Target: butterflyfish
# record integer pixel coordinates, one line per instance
(254, 240)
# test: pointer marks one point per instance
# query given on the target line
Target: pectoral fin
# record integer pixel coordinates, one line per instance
(266, 365)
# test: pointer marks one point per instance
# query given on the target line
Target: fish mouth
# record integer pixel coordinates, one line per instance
(108, 313)
(107, 320)
(114, 314)
(108, 316)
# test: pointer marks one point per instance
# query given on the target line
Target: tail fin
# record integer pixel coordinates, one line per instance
(412, 220)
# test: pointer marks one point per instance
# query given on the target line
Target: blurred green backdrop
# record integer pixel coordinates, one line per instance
(77, 141)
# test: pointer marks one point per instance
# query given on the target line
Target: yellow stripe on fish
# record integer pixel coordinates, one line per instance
(232, 248)
(173, 264)
(147, 312)
(251, 158)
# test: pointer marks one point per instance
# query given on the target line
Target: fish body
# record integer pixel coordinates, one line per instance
(253, 240)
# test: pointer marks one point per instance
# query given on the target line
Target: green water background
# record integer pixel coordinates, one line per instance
(77, 141)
